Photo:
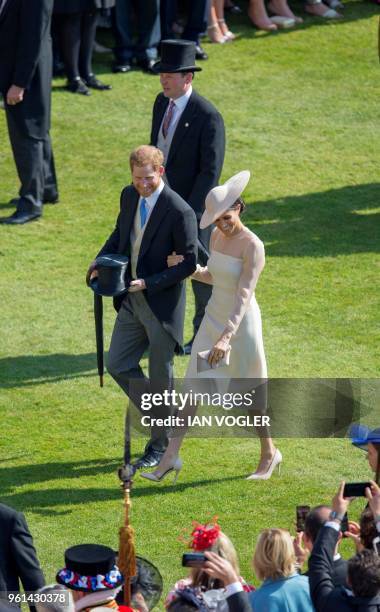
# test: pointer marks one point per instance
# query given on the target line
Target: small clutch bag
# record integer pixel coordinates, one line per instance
(203, 365)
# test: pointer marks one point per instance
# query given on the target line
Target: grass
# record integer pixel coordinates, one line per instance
(301, 112)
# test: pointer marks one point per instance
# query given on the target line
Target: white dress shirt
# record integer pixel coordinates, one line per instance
(137, 231)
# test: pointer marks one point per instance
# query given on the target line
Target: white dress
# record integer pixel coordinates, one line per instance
(233, 269)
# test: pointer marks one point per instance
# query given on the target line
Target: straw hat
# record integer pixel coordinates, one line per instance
(222, 197)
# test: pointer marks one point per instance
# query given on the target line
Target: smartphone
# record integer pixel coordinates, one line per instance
(355, 489)
(301, 514)
(344, 524)
(193, 559)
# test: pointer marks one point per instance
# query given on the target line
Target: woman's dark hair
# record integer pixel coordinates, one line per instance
(368, 531)
(239, 203)
(364, 574)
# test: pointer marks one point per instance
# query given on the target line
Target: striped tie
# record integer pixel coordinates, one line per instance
(143, 212)
(168, 118)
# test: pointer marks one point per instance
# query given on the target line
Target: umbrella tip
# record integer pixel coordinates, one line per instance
(101, 380)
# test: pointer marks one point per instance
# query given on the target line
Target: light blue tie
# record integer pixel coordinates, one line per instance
(143, 212)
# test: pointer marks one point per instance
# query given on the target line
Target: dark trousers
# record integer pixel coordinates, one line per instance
(197, 20)
(147, 17)
(77, 36)
(35, 167)
(168, 9)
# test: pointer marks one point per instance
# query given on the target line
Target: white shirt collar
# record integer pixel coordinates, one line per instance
(152, 199)
(181, 102)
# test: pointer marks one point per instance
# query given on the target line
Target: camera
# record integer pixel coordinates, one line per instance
(355, 489)
(193, 560)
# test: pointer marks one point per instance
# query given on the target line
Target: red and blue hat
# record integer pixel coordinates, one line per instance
(90, 568)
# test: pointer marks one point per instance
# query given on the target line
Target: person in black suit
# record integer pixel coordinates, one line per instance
(76, 24)
(363, 569)
(148, 27)
(190, 132)
(18, 559)
(153, 222)
(314, 522)
(25, 82)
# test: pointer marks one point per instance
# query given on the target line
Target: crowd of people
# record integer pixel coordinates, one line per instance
(305, 573)
(137, 29)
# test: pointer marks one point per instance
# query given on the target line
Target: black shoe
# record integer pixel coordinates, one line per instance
(78, 87)
(122, 68)
(94, 83)
(51, 199)
(150, 458)
(200, 54)
(20, 217)
(147, 65)
(187, 348)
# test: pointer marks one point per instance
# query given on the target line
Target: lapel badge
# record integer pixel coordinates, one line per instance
(186, 124)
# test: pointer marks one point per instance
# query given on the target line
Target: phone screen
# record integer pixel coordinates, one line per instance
(301, 514)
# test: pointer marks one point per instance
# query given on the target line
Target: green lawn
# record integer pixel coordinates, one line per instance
(301, 112)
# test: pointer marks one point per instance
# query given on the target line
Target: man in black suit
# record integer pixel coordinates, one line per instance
(314, 522)
(18, 559)
(25, 82)
(144, 49)
(363, 577)
(153, 222)
(190, 132)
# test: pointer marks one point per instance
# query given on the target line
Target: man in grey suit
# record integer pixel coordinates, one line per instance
(153, 222)
(25, 83)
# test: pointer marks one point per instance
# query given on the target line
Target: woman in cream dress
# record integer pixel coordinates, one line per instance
(231, 330)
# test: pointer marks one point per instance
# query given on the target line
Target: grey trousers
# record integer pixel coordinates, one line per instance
(136, 330)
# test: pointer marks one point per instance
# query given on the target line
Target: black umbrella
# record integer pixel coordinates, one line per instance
(98, 315)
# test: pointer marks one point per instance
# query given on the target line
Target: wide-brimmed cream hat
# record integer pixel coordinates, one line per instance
(222, 197)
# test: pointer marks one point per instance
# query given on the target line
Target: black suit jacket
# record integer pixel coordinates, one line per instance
(326, 597)
(18, 559)
(26, 61)
(239, 602)
(171, 227)
(196, 154)
(338, 572)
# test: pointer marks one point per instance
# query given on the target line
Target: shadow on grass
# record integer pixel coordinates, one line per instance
(6, 206)
(325, 224)
(44, 501)
(29, 370)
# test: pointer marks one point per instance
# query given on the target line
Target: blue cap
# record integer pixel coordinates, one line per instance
(361, 434)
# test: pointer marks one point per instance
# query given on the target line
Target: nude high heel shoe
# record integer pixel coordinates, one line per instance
(157, 477)
(276, 462)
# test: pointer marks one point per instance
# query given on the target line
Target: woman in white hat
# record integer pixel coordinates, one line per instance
(230, 335)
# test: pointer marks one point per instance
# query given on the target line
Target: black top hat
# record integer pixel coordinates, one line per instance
(177, 56)
(90, 568)
(112, 275)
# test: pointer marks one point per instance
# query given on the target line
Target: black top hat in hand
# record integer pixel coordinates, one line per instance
(177, 56)
(112, 279)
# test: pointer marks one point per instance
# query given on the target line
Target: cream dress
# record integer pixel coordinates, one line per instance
(233, 270)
